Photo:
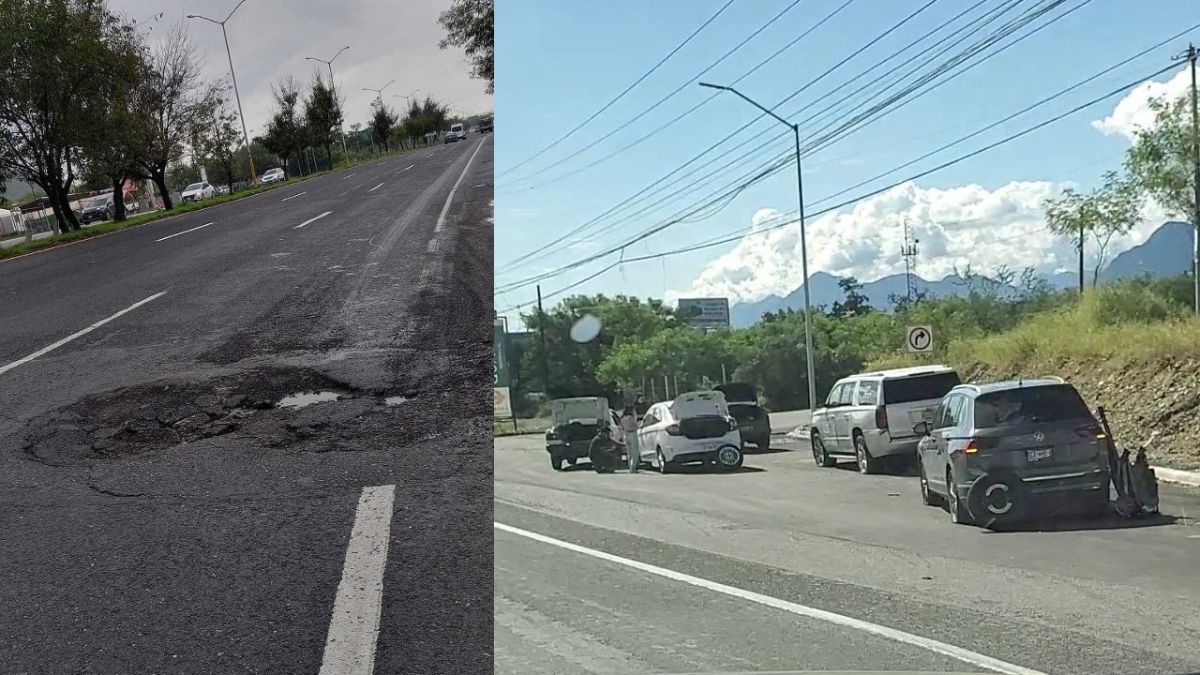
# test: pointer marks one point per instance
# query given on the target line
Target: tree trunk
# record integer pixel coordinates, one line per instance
(160, 181)
(329, 154)
(387, 147)
(61, 204)
(118, 200)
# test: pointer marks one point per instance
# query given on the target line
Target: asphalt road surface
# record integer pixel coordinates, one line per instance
(786, 567)
(161, 514)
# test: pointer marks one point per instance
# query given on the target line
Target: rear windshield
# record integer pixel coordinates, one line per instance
(1029, 405)
(919, 387)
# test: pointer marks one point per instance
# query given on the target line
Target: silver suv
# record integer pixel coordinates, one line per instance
(870, 416)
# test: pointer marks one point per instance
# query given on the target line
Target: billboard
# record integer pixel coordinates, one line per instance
(705, 313)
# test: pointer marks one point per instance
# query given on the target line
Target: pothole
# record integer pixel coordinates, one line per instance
(305, 399)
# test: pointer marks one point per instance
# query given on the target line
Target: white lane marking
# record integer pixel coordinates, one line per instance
(433, 246)
(964, 655)
(46, 350)
(354, 627)
(446, 207)
(375, 188)
(350, 176)
(407, 168)
(294, 196)
(312, 220)
(184, 232)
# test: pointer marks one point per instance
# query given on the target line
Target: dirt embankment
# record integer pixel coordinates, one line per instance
(1155, 403)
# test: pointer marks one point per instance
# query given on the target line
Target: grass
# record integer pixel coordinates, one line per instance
(179, 209)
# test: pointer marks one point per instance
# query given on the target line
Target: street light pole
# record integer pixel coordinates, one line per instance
(233, 76)
(333, 88)
(379, 92)
(808, 345)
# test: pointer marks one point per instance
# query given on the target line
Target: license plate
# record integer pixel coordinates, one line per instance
(1038, 454)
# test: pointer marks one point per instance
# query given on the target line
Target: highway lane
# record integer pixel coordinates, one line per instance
(160, 515)
(1060, 596)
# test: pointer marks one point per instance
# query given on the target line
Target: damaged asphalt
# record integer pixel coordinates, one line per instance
(162, 513)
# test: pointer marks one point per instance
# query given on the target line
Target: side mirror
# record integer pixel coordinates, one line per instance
(922, 428)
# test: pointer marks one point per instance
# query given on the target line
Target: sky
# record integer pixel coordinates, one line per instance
(388, 40)
(558, 63)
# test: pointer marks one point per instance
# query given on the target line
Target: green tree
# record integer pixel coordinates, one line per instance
(1160, 158)
(110, 143)
(323, 114)
(383, 119)
(217, 138)
(1108, 210)
(285, 134)
(470, 24)
(856, 303)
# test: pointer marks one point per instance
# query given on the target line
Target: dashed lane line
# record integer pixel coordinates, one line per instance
(312, 220)
(185, 232)
(350, 176)
(294, 196)
(433, 246)
(74, 336)
(965, 655)
(375, 188)
(354, 626)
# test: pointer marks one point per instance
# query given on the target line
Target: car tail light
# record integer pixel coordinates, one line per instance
(733, 424)
(550, 435)
(972, 447)
(1091, 432)
(881, 421)
(673, 430)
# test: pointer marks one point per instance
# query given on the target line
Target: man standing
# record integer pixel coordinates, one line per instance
(629, 423)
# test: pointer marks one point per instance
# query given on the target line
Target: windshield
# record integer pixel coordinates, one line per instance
(1029, 405)
(194, 186)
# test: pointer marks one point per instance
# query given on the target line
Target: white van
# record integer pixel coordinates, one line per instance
(457, 130)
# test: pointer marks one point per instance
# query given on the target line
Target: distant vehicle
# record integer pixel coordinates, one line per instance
(485, 125)
(995, 453)
(574, 423)
(101, 209)
(271, 176)
(458, 130)
(453, 136)
(197, 191)
(754, 422)
(870, 416)
(694, 428)
(222, 189)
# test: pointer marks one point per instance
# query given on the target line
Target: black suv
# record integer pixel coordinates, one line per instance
(754, 422)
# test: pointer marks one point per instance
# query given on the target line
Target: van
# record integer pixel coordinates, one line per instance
(869, 417)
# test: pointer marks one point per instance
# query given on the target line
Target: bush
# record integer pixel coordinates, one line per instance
(1135, 301)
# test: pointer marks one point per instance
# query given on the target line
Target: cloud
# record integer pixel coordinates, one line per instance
(959, 226)
(1133, 111)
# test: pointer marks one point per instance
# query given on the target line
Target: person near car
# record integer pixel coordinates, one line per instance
(603, 451)
(629, 422)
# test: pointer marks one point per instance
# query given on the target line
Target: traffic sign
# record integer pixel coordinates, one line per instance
(919, 339)
(501, 402)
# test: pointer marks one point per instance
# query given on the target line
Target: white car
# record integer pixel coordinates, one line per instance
(197, 191)
(694, 428)
(271, 176)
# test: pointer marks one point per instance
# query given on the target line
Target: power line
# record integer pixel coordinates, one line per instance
(621, 95)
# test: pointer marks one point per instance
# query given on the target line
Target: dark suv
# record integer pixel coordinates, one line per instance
(1001, 452)
(754, 422)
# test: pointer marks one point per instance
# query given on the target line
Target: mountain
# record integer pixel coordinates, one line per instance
(1166, 253)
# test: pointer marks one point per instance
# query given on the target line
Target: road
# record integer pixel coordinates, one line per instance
(160, 513)
(786, 567)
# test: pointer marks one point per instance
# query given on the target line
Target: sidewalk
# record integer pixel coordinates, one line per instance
(9, 243)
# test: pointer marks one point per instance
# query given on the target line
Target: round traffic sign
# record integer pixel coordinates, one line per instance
(920, 338)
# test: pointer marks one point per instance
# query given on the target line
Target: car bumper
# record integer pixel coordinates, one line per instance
(881, 444)
(91, 218)
(569, 449)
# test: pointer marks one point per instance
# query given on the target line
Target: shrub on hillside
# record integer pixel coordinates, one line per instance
(1134, 301)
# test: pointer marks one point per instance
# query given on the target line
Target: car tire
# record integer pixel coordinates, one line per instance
(862, 456)
(928, 497)
(954, 504)
(663, 467)
(727, 461)
(820, 454)
(556, 461)
(571, 460)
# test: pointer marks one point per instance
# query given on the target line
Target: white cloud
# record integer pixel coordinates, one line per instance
(956, 227)
(1133, 111)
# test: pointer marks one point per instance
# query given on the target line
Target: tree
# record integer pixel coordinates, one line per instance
(470, 24)
(57, 68)
(1108, 210)
(217, 137)
(285, 132)
(383, 119)
(323, 114)
(1160, 159)
(110, 143)
(856, 303)
(170, 98)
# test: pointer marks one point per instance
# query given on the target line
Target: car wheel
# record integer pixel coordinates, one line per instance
(663, 468)
(572, 460)
(928, 498)
(730, 457)
(866, 463)
(556, 461)
(820, 454)
(958, 510)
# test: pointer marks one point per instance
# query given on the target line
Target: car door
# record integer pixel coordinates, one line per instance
(844, 417)
(825, 415)
(647, 432)
(948, 419)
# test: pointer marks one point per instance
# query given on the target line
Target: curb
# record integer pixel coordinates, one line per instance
(1191, 478)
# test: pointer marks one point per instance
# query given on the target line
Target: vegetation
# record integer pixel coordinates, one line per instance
(470, 24)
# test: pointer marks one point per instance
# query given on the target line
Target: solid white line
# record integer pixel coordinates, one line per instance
(354, 627)
(350, 176)
(310, 220)
(964, 655)
(433, 246)
(446, 207)
(185, 232)
(294, 196)
(45, 350)
(375, 188)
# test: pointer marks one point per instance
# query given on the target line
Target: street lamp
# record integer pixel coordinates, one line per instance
(333, 87)
(236, 96)
(808, 347)
(379, 91)
(409, 97)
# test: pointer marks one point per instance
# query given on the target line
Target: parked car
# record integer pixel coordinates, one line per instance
(870, 416)
(574, 422)
(222, 189)
(696, 427)
(197, 192)
(271, 176)
(754, 422)
(451, 137)
(486, 125)
(101, 209)
(996, 453)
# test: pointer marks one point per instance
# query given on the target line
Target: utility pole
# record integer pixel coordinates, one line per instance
(1191, 55)
(1081, 239)
(542, 337)
(909, 251)
(232, 76)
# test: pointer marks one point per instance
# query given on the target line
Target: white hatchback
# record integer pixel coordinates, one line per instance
(694, 428)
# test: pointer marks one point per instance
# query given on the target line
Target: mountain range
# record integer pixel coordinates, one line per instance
(1167, 252)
